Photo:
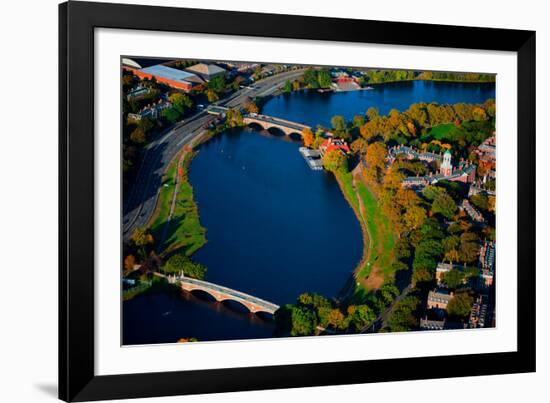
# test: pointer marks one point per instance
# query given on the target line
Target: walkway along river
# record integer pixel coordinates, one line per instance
(275, 228)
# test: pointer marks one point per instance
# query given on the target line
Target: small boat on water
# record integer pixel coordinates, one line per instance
(369, 88)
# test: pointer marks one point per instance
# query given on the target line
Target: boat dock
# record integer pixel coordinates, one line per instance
(312, 157)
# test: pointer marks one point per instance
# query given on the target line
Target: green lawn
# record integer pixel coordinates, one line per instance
(379, 236)
(440, 131)
(382, 237)
(346, 180)
(184, 231)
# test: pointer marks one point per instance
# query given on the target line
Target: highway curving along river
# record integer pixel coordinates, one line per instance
(275, 228)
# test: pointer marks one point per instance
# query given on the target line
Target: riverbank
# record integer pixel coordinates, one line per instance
(175, 224)
(375, 267)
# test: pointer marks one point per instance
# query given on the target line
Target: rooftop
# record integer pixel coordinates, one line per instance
(206, 69)
(130, 63)
(169, 73)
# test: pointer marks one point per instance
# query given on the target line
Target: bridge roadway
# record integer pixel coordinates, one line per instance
(221, 293)
(139, 205)
(267, 122)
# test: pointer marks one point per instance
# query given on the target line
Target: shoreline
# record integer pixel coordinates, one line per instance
(348, 289)
(176, 173)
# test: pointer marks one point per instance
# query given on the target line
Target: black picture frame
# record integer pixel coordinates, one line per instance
(77, 379)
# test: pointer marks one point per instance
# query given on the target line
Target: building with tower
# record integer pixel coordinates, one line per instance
(446, 168)
(464, 172)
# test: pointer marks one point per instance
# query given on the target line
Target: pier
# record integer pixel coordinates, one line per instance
(312, 157)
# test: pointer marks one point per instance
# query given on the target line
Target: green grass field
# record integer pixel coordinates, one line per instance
(379, 236)
(382, 237)
(439, 132)
(184, 231)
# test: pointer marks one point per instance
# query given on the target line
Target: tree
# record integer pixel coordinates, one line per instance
(296, 320)
(310, 78)
(358, 121)
(145, 124)
(287, 87)
(335, 161)
(180, 102)
(372, 113)
(308, 137)
(142, 239)
(129, 262)
(217, 84)
(469, 247)
(453, 278)
(414, 217)
(479, 114)
(313, 300)
(402, 248)
(444, 205)
(491, 204)
(212, 95)
(251, 107)
(336, 318)
(480, 201)
(180, 263)
(387, 293)
(338, 123)
(359, 146)
(459, 306)
(138, 136)
(317, 142)
(375, 158)
(403, 316)
(234, 118)
(324, 79)
(359, 316)
(171, 114)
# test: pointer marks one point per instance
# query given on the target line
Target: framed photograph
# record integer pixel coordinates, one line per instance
(257, 201)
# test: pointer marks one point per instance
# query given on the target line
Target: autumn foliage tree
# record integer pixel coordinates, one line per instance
(212, 95)
(138, 136)
(335, 161)
(375, 157)
(251, 107)
(308, 137)
(129, 262)
(143, 240)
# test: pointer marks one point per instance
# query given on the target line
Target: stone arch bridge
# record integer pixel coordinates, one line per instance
(221, 293)
(267, 122)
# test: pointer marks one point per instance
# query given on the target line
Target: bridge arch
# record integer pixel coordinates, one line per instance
(295, 136)
(232, 303)
(203, 292)
(255, 126)
(276, 131)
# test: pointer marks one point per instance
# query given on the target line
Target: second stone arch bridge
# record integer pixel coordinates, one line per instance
(267, 122)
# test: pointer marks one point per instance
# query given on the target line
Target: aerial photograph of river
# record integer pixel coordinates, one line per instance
(269, 200)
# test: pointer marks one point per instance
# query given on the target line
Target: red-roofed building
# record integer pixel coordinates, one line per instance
(331, 144)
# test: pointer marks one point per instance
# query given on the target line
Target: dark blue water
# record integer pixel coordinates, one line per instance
(275, 228)
(313, 108)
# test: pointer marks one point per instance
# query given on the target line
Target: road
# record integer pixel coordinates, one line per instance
(380, 321)
(140, 204)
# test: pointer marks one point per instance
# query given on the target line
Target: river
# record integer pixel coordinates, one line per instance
(275, 228)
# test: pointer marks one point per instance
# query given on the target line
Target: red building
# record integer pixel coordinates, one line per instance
(178, 79)
(332, 144)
